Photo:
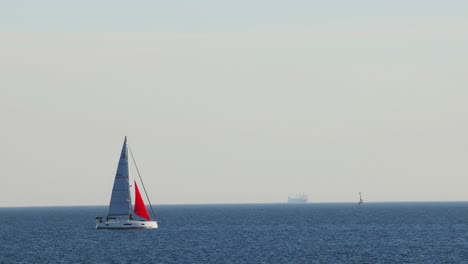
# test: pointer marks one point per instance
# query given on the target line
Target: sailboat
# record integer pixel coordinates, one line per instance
(360, 199)
(120, 214)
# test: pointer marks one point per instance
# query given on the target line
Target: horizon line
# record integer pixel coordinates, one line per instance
(272, 203)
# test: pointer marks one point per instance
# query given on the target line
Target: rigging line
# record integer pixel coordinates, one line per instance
(142, 184)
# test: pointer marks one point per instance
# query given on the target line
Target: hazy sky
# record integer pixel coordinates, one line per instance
(234, 101)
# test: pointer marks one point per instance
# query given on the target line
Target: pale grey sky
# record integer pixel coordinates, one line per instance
(234, 101)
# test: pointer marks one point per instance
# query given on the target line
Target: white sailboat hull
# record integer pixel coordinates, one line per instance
(128, 224)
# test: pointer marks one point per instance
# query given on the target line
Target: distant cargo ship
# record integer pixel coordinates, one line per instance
(300, 198)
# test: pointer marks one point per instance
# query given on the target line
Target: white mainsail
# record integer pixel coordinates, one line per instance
(121, 204)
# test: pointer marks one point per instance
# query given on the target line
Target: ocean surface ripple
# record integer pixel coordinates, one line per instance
(248, 233)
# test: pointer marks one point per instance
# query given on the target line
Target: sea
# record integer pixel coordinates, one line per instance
(243, 233)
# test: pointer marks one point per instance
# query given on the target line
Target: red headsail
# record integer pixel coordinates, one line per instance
(140, 208)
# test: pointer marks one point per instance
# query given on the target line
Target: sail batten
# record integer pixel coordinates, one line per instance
(120, 204)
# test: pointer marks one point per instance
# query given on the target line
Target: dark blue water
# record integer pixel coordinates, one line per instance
(266, 233)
